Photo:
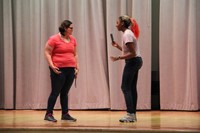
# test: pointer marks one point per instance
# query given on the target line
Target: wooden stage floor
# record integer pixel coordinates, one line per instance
(96, 121)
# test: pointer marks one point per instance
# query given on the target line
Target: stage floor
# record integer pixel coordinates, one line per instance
(101, 121)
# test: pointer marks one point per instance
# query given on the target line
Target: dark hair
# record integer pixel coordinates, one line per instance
(65, 24)
(126, 20)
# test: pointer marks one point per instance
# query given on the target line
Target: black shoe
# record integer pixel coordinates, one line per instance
(49, 117)
(67, 117)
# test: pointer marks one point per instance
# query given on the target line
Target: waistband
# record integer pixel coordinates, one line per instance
(133, 59)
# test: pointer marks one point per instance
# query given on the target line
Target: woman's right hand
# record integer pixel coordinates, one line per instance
(114, 44)
(55, 69)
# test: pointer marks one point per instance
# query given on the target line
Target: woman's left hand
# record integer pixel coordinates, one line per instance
(76, 72)
(114, 58)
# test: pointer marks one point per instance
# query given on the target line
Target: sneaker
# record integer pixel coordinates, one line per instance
(128, 118)
(49, 117)
(67, 117)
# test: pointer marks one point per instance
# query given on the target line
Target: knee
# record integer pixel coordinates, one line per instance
(124, 89)
(54, 94)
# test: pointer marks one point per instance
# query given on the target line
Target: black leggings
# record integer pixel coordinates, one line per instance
(129, 82)
(60, 84)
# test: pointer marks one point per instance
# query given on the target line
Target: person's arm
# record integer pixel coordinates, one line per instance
(48, 53)
(77, 64)
(130, 54)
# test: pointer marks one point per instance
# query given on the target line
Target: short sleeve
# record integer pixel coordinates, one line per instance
(51, 41)
(128, 38)
(75, 44)
(73, 40)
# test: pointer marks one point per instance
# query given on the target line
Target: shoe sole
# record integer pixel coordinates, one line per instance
(50, 120)
(68, 120)
(126, 121)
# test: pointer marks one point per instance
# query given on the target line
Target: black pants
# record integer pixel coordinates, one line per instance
(60, 84)
(129, 82)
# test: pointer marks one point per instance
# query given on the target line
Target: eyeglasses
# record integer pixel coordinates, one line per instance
(71, 28)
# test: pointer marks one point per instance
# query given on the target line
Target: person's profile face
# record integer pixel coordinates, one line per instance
(69, 30)
(118, 25)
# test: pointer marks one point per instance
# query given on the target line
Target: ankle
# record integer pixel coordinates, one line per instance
(49, 114)
(131, 114)
(64, 113)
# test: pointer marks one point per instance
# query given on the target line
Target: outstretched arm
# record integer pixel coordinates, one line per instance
(130, 54)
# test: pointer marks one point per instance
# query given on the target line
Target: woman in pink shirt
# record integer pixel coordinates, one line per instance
(61, 55)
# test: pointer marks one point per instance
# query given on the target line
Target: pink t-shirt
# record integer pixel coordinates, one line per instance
(63, 53)
(129, 36)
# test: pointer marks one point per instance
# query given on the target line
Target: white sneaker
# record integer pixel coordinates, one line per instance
(128, 118)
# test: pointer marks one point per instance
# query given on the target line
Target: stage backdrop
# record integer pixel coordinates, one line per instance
(27, 25)
(179, 54)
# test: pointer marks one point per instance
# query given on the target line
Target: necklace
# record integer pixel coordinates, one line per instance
(67, 40)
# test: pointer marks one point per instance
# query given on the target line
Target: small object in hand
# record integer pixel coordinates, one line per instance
(112, 38)
(75, 83)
